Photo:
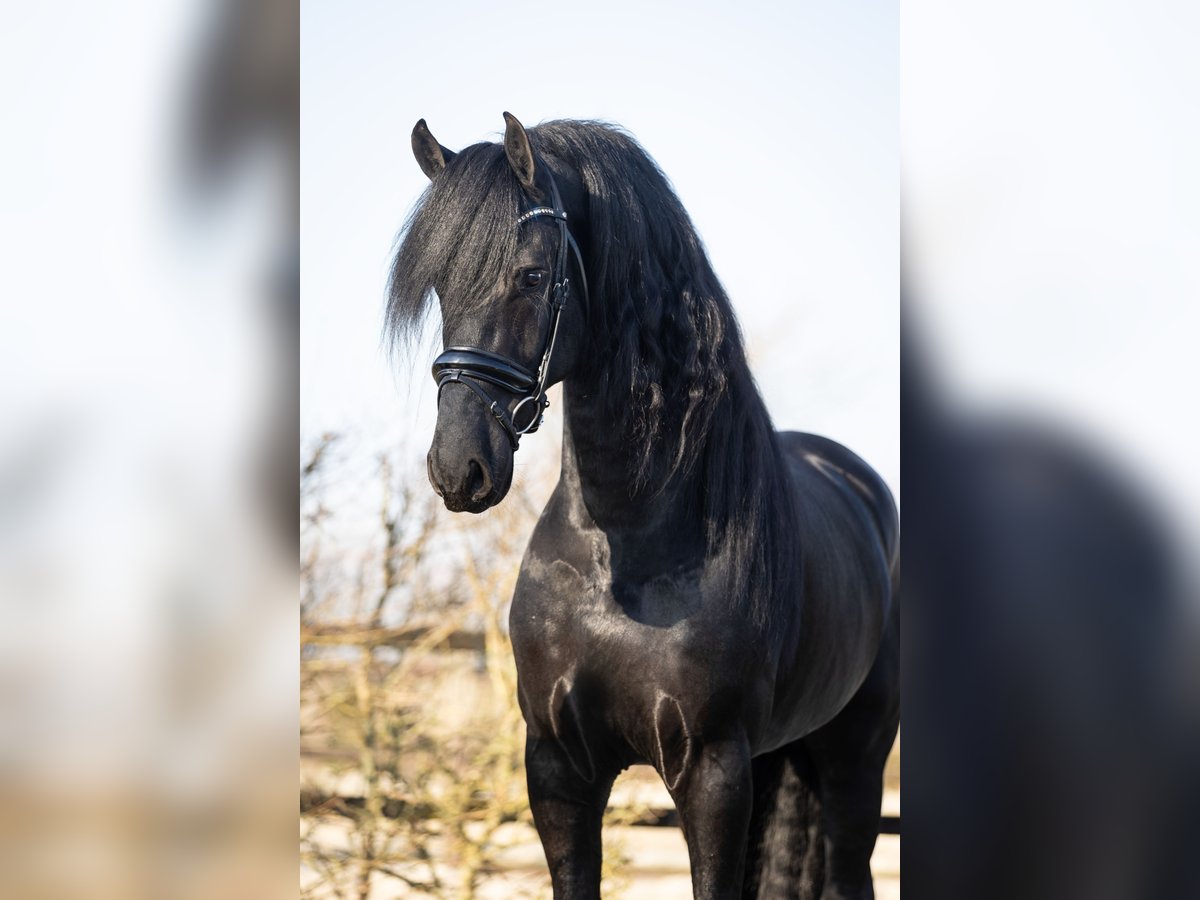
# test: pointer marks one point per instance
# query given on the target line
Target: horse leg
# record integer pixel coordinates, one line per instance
(567, 809)
(714, 796)
(785, 859)
(849, 754)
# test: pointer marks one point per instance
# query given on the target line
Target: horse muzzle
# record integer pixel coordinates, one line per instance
(467, 470)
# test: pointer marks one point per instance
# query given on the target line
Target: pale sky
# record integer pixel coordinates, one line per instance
(1052, 210)
(777, 124)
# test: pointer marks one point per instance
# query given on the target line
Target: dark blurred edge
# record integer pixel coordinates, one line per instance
(1049, 721)
(244, 97)
(243, 104)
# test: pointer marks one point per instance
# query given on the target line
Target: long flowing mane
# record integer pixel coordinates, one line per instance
(669, 358)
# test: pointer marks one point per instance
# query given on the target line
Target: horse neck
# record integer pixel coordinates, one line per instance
(597, 458)
(596, 465)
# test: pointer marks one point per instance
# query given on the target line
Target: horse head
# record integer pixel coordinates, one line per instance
(491, 239)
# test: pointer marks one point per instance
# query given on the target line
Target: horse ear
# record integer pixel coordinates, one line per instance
(520, 154)
(431, 156)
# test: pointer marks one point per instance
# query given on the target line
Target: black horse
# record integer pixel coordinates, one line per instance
(702, 593)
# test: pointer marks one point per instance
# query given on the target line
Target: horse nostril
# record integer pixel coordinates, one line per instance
(478, 483)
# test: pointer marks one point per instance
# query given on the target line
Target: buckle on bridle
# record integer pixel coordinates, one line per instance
(536, 422)
(560, 293)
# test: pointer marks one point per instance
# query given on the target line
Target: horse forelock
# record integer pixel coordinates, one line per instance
(458, 241)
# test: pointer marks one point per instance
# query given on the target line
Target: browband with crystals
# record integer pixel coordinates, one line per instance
(542, 211)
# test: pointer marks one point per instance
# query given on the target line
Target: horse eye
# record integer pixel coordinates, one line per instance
(532, 279)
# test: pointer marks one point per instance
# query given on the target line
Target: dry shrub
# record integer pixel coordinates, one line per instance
(412, 741)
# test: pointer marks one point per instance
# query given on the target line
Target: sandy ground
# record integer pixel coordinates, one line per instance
(658, 867)
(658, 857)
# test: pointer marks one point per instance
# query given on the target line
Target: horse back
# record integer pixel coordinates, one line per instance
(859, 482)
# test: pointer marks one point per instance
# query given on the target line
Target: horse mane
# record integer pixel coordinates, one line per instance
(672, 373)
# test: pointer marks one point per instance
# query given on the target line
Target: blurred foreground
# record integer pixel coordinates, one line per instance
(148, 449)
(1051, 491)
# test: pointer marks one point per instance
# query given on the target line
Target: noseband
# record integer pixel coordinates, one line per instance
(473, 367)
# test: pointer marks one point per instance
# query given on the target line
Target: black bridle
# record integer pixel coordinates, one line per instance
(473, 367)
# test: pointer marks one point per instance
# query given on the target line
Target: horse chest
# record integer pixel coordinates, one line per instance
(629, 672)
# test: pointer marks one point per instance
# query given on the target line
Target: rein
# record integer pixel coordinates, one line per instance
(473, 367)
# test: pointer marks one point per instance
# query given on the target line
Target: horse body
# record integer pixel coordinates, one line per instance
(848, 538)
(627, 653)
(642, 630)
(701, 593)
